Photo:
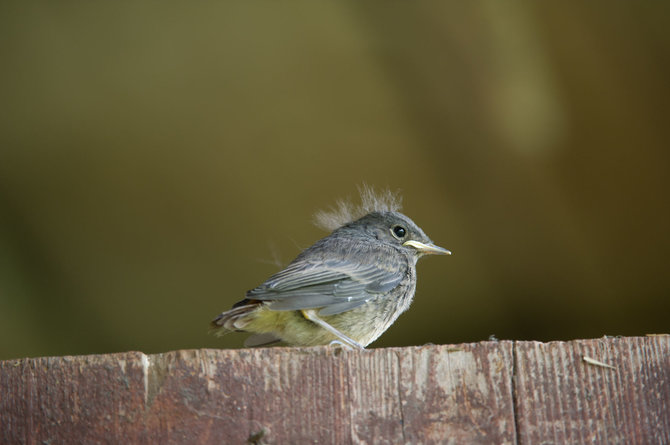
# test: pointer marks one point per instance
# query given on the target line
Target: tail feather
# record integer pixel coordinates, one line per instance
(234, 319)
(261, 340)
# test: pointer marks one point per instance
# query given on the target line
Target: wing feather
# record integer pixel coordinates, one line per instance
(333, 285)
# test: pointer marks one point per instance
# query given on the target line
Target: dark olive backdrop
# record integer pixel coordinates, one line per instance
(157, 158)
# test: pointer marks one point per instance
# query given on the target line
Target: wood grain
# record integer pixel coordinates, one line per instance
(490, 392)
(563, 399)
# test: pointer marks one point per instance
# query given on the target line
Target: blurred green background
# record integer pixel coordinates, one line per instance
(157, 158)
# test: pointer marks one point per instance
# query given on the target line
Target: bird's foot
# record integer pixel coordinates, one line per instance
(340, 344)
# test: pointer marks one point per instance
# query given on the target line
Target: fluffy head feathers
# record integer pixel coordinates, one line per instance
(345, 212)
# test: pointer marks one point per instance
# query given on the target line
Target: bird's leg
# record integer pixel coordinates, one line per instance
(310, 314)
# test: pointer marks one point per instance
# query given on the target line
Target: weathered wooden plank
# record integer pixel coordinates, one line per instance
(561, 398)
(490, 392)
(86, 399)
(434, 394)
(431, 394)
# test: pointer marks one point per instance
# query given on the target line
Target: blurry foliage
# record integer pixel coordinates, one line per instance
(155, 159)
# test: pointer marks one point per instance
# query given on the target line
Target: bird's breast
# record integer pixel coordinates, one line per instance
(367, 322)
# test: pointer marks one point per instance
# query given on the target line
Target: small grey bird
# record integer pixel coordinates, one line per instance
(347, 288)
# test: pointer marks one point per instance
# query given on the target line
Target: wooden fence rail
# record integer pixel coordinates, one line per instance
(609, 390)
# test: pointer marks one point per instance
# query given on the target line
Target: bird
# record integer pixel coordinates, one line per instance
(347, 288)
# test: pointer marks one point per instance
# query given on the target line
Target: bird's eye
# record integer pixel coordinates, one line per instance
(399, 232)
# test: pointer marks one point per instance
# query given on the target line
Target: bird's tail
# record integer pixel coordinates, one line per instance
(237, 319)
(233, 320)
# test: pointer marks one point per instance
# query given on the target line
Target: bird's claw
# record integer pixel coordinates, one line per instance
(340, 344)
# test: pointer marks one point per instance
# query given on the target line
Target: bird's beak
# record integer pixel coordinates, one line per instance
(428, 249)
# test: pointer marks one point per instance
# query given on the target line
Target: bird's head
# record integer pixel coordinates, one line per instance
(396, 229)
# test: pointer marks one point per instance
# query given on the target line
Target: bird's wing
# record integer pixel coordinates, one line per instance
(334, 285)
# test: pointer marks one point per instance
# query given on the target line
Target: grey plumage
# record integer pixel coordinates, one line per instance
(349, 286)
